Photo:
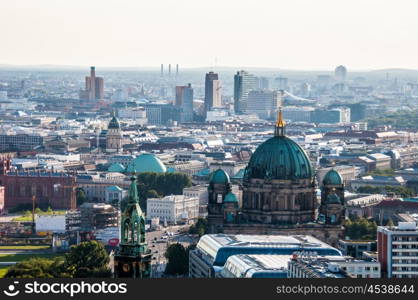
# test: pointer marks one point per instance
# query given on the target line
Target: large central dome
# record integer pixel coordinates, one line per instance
(279, 158)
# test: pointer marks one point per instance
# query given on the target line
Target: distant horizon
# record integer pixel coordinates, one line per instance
(208, 68)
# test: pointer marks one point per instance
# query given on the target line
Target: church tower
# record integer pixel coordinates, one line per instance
(332, 209)
(219, 187)
(114, 136)
(133, 258)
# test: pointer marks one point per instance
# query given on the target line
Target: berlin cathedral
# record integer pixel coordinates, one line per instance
(278, 194)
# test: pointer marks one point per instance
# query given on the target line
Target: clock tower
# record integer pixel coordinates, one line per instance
(133, 258)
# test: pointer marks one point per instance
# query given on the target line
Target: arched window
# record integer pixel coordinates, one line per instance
(135, 233)
(127, 231)
(142, 231)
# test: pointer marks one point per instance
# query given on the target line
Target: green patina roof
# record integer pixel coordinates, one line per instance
(219, 177)
(113, 188)
(204, 172)
(333, 199)
(230, 198)
(239, 174)
(332, 178)
(114, 123)
(146, 162)
(116, 168)
(279, 158)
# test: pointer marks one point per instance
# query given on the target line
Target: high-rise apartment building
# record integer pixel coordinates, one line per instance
(397, 249)
(244, 82)
(212, 91)
(94, 88)
(184, 100)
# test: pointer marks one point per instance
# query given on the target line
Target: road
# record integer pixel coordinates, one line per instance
(158, 245)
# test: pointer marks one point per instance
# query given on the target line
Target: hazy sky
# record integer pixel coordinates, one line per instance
(293, 34)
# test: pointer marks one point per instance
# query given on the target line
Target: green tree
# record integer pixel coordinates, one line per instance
(152, 185)
(88, 259)
(177, 260)
(361, 229)
(38, 268)
(80, 196)
(200, 228)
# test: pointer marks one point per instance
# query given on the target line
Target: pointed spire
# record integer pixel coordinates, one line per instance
(280, 124)
(133, 190)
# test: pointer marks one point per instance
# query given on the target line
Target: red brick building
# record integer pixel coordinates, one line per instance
(53, 189)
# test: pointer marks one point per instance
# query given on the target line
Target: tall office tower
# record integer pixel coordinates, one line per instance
(262, 83)
(162, 70)
(281, 83)
(177, 70)
(212, 91)
(94, 89)
(340, 73)
(169, 70)
(243, 83)
(184, 100)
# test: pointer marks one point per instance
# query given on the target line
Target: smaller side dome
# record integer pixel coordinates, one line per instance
(116, 168)
(230, 198)
(219, 177)
(333, 199)
(333, 178)
(114, 123)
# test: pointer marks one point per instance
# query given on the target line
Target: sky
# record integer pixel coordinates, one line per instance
(287, 34)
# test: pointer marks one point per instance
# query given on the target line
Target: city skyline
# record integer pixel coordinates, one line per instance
(362, 36)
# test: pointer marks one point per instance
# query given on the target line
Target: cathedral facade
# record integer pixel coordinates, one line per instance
(278, 194)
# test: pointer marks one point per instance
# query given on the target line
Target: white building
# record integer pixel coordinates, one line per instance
(138, 114)
(397, 249)
(173, 209)
(297, 113)
(114, 193)
(263, 103)
(50, 223)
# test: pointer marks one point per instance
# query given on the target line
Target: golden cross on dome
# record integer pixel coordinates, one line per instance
(280, 124)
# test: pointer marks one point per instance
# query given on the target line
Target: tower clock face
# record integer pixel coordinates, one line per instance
(126, 268)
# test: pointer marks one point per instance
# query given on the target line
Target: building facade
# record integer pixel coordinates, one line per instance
(173, 209)
(212, 91)
(397, 249)
(184, 100)
(243, 83)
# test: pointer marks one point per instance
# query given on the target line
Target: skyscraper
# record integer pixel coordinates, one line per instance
(243, 83)
(212, 91)
(184, 99)
(94, 89)
(340, 73)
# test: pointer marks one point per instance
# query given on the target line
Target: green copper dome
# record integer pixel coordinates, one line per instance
(332, 178)
(219, 177)
(146, 162)
(116, 168)
(279, 158)
(114, 123)
(230, 198)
